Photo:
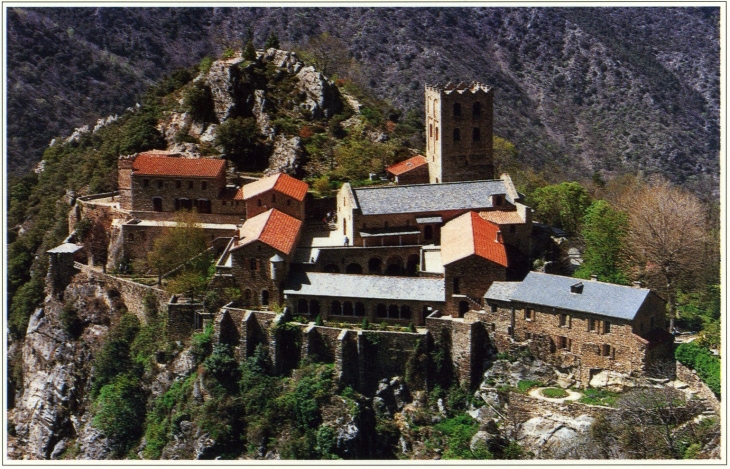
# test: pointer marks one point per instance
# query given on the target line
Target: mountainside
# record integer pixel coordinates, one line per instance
(609, 89)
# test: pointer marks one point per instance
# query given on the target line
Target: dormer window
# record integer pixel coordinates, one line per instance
(577, 288)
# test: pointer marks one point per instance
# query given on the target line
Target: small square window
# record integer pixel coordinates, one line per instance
(204, 185)
(529, 314)
(190, 184)
(494, 308)
(145, 183)
(160, 184)
(178, 184)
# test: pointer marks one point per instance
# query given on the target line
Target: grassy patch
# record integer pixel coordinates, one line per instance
(554, 393)
(455, 434)
(599, 397)
(525, 385)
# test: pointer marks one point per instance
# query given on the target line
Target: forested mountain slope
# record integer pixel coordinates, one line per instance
(609, 89)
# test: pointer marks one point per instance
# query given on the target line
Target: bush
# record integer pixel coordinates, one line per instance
(202, 343)
(198, 101)
(593, 396)
(115, 356)
(119, 410)
(205, 65)
(525, 385)
(70, 321)
(703, 362)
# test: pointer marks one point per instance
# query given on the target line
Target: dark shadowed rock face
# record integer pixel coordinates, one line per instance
(609, 89)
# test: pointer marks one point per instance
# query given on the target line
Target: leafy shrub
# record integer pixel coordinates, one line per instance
(202, 343)
(205, 65)
(554, 393)
(223, 367)
(119, 410)
(703, 362)
(198, 101)
(456, 434)
(115, 358)
(70, 321)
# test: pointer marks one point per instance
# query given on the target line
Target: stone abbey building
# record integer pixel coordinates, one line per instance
(444, 247)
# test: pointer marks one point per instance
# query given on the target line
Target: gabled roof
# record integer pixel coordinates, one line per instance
(501, 217)
(273, 228)
(601, 298)
(469, 234)
(65, 248)
(280, 182)
(407, 165)
(231, 193)
(425, 198)
(151, 164)
(365, 286)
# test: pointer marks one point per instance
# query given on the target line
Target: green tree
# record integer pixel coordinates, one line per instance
(177, 244)
(198, 101)
(249, 51)
(141, 134)
(119, 412)
(272, 41)
(359, 156)
(238, 137)
(604, 231)
(562, 205)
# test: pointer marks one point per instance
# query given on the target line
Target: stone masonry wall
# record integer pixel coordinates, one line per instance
(695, 384)
(468, 344)
(167, 189)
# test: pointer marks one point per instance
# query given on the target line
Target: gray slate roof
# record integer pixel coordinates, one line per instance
(365, 286)
(423, 198)
(69, 248)
(501, 291)
(606, 299)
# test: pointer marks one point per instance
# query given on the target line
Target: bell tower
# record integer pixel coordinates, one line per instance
(459, 124)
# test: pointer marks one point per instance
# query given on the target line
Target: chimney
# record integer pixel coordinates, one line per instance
(594, 278)
(498, 239)
(577, 288)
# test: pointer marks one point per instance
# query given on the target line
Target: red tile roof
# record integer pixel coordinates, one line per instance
(469, 234)
(407, 165)
(154, 164)
(274, 228)
(280, 182)
(500, 217)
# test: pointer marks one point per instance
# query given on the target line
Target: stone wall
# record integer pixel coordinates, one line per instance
(274, 199)
(467, 342)
(133, 294)
(531, 406)
(183, 318)
(345, 259)
(145, 188)
(232, 219)
(695, 384)
(418, 175)
(475, 275)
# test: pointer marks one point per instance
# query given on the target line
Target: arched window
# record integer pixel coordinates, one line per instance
(476, 110)
(475, 135)
(375, 265)
(457, 109)
(314, 307)
(428, 231)
(457, 135)
(381, 311)
(264, 297)
(430, 131)
(186, 204)
(347, 308)
(359, 309)
(395, 266)
(354, 268)
(157, 204)
(332, 269)
(437, 133)
(302, 307)
(336, 308)
(405, 312)
(393, 311)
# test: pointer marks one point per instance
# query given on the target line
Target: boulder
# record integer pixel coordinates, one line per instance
(321, 97)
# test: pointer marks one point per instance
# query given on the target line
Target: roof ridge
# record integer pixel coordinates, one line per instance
(427, 184)
(589, 281)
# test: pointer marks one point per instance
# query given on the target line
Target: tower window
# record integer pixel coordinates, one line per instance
(457, 135)
(430, 130)
(475, 135)
(476, 110)
(457, 109)
(437, 133)
(457, 287)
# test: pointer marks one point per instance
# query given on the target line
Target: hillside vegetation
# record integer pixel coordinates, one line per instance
(606, 89)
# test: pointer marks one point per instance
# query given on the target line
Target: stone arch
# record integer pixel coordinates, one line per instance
(229, 332)
(264, 297)
(336, 308)
(375, 265)
(405, 312)
(157, 204)
(302, 306)
(394, 266)
(353, 268)
(393, 311)
(332, 268)
(359, 309)
(412, 264)
(347, 309)
(314, 307)
(381, 310)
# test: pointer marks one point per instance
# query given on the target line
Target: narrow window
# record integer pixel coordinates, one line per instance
(476, 110)
(145, 183)
(529, 314)
(204, 185)
(606, 327)
(131, 236)
(178, 184)
(224, 202)
(512, 229)
(288, 202)
(247, 294)
(651, 323)
(264, 297)
(190, 184)
(157, 204)
(160, 184)
(253, 264)
(457, 135)
(437, 133)
(258, 202)
(457, 109)
(475, 135)
(457, 286)
(430, 131)
(606, 350)
(494, 308)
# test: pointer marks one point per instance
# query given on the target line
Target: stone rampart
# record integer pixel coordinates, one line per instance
(695, 384)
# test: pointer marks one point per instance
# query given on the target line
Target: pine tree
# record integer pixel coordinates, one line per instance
(249, 52)
(272, 41)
